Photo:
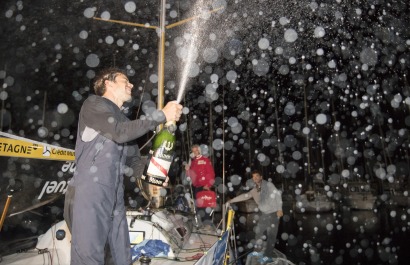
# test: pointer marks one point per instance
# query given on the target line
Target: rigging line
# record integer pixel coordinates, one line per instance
(2, 113)
(277, 125)
(385, 155)
(184, 143)
(223, 155)
(281, 160)
(138, 110)
(341, 166)
(142, 94)
(248, 129)
(149, 140)
(185, 150)
(322, 156)
(35, 206)
(44, 108)
(239, 257)
(210, 133)
(188, 132)
(307, 135)
(406, 85)
(233, 235)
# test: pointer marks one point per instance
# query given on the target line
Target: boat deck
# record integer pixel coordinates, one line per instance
(186, 243)
(199, 243)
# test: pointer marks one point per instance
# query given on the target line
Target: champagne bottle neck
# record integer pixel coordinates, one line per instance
(171, 126)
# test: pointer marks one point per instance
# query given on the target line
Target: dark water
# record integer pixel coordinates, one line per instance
(381, 236)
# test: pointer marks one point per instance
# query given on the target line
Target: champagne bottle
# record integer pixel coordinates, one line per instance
(161, 156)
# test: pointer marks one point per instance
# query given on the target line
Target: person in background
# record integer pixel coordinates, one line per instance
(269, 201)
(94, 205)
(202, 175)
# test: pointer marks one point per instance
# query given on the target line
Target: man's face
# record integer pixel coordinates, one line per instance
(195, 151)
(257, 178)
(121, 88)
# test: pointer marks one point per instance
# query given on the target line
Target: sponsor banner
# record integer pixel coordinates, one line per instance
(35, 150)
(33, 182)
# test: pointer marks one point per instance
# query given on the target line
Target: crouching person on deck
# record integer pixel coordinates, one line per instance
(269, 201)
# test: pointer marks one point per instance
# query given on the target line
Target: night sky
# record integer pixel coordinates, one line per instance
(294, 88)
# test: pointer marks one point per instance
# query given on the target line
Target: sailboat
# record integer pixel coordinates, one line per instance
(38, 175)
(397, 193)
(314, 200)
(157, 236)
(359, 195)
(160, 237)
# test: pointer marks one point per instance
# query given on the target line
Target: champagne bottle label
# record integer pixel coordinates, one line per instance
(158, 167)
(161, 158)
(160, 163)
(157, 172)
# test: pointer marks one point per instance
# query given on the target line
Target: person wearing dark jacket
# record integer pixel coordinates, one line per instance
(94, 204)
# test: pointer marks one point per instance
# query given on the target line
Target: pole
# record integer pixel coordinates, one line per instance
(160, 99)
(223, 159)
(161, 56)
(6, 207)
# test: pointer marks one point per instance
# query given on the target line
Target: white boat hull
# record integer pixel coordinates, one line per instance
(188, 245)
(49, 250)
(173, 229)
(318, 203)
(361, 201)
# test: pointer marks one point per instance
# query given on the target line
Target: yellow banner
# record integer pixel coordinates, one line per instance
(26, 149)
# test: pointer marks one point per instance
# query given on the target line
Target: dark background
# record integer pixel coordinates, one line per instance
(254, 106)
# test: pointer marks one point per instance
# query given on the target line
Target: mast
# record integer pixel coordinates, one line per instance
(161, 56)
(307, 136)
(280, 159)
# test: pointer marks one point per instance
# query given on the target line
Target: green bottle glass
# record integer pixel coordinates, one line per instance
(161, 156)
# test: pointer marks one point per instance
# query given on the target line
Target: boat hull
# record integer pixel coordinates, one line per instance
(173, 229)
(316, 203)
(360, 201)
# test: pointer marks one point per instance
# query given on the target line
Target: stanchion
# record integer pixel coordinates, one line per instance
(6, 207)
(11, 189)
(231, 214)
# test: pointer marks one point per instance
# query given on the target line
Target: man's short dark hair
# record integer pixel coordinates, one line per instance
(255, 171)
(106, 74)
